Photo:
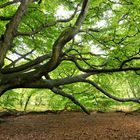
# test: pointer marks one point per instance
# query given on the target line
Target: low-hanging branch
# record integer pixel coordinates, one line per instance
(71, 97)
(136, 100)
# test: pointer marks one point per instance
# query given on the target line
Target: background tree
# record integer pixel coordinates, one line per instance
(90, 43)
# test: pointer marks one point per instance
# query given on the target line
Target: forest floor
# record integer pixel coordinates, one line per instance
(71, 126)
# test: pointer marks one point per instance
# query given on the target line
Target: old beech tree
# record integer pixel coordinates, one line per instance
(93, 37)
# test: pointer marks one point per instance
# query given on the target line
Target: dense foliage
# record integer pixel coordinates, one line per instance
(83, 50)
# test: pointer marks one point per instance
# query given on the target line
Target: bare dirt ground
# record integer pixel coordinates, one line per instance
(72, 126)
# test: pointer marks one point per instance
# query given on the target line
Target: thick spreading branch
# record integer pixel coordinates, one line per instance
(50, 83)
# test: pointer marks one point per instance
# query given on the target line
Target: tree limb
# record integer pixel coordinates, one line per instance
(71, 97)
(128, 60)
(9, 3)
(50, 83)
(28, 65)
(11, 27)
(46, 25)
(66, 36)
(22, 57)
(136, 100)
(104, 70)
(3, 18)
